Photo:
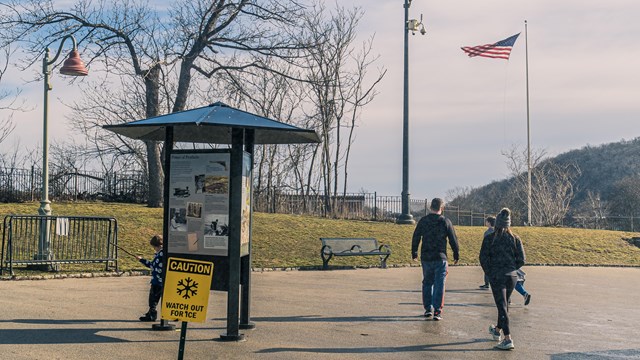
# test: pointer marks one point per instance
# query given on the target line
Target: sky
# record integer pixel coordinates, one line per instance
(584, 89)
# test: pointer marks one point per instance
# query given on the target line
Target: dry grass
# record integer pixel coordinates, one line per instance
(293, 241)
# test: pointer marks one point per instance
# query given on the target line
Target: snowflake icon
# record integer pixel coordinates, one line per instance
(187, 288)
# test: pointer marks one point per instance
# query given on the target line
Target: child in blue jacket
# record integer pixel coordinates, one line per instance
(155, 292)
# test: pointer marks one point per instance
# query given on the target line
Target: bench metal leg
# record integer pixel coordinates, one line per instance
(325, 260)
(383, 261)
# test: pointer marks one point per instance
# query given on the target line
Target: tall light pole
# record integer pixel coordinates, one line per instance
(73, 66)
(526, 52)
(409, 25)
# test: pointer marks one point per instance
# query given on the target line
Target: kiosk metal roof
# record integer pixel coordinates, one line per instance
(213, 124)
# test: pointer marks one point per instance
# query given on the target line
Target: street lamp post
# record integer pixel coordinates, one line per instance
(409, 25)
(73, 66)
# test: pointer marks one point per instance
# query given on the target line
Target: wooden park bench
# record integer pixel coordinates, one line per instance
(353, 247)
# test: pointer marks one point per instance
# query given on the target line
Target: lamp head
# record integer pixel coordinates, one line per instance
(74, 66)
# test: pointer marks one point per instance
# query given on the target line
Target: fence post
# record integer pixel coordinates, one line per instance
(426, 207)
(75, 183)
(32, 181)
(375, 205)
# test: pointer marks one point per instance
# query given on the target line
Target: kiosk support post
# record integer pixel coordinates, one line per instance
(168, 148)
(235, 224)
(245, 294)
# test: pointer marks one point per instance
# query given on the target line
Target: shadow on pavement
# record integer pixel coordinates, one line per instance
(58, 336)
(599, 355)
(63, 322)
(345, 319)
(62, 335)
(393, 349)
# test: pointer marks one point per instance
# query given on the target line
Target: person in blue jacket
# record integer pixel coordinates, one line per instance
(155, 292)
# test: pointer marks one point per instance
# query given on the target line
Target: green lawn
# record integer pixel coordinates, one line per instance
(293, 241)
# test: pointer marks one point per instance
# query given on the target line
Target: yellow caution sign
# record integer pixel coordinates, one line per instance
(186, 290)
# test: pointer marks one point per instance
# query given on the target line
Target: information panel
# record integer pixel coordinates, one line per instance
(199, 204)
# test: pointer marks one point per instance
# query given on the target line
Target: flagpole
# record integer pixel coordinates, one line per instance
(526, 52)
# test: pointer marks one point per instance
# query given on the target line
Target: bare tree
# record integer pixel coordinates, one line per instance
(326, 91)
(338, 87)
(458, 196)
(275, 96)
(598, 208)
(552, 185)
(625, 196)
(160, 53)
(8, 99)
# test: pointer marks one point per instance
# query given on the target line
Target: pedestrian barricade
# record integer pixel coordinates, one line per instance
(36, 240)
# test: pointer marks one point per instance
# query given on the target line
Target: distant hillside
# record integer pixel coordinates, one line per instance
(609, 183)
(604, 167)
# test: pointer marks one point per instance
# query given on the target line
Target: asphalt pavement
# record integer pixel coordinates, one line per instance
(575, 313)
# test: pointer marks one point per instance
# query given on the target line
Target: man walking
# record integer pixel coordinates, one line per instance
(434, 230)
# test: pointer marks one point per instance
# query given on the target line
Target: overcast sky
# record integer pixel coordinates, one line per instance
(584, 85)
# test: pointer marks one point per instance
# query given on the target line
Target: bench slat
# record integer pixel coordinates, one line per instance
(339, 245)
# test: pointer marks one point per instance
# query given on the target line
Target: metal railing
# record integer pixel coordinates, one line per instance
(616, 223)
(71, 239)
(26, 185)
(17, 185)
(364, 206)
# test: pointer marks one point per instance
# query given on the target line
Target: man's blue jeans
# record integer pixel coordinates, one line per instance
(434, 274)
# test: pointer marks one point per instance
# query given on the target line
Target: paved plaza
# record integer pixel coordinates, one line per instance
(575, 313)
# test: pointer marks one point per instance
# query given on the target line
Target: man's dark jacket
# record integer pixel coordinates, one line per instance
(433, 230)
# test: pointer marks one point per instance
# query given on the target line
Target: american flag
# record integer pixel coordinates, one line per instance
(499, 50)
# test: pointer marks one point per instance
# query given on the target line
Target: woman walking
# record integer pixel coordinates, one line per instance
(501, 256)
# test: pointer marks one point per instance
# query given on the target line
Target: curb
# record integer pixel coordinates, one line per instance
(272, 269)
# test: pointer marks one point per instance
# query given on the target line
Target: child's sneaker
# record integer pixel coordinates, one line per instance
(495, 333)
(527, 299)
(428, 313)
(437, 317)
(149, 316)
(505, 345)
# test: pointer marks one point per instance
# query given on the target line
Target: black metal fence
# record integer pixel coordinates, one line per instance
(51, 240)
(617, 223)
(364, 206)
(368, 206)
(17, 185)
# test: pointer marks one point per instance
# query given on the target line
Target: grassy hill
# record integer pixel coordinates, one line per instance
(608, 172)
(293, 241)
